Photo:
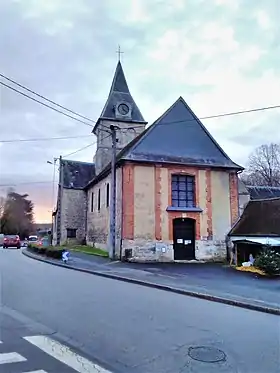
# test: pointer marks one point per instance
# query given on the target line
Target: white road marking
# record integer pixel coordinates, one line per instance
(37, 371)
(65, 355)
(11, 357)
(1, 342)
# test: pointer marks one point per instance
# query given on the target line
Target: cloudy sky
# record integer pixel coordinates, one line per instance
(220, 55)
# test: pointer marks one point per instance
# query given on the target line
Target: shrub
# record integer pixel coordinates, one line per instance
(41, 250)
(268, 261)
(54, 253)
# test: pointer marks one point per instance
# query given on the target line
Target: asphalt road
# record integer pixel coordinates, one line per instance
(128, 328)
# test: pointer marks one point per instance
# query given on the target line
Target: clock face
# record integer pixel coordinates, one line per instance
(123, 109)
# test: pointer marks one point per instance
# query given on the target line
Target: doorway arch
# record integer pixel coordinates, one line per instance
(184, 238)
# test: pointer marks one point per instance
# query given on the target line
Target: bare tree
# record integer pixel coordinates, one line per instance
(2, 206)
(264, 166)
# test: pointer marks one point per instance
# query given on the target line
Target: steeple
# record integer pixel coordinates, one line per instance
(120, 105)
(120, 109)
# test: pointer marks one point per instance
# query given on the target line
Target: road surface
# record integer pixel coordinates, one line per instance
(128, 328)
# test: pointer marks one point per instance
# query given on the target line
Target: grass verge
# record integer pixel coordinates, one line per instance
(90, 250)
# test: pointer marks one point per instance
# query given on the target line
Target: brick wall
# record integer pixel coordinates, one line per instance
(147, 225)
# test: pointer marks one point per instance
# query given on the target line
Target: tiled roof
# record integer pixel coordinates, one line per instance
(76, 175)
(259, 218)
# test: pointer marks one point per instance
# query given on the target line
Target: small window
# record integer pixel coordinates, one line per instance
(98, 207)
(107, 195)
(183, 191)
(92, 200)
(71, 233)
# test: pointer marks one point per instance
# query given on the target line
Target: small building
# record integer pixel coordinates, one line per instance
(70, 215)
(258, 226)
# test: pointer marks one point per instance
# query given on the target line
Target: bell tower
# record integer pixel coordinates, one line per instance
(120, 110)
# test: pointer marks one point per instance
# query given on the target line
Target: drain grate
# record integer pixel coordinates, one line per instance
(206, 354)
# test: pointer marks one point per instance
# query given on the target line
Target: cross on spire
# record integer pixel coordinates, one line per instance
(119, 52)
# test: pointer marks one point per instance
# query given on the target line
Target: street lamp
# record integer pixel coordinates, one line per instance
(53, 181)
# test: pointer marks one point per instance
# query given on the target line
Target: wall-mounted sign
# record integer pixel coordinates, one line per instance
(187, 242)
(180, 240)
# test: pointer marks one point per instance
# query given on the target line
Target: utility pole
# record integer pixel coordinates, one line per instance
(60, 187)
(113, 194)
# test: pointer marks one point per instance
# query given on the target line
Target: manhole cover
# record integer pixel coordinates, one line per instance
(206, 354)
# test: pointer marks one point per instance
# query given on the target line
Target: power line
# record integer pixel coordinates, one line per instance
(25, 183)
(43, 139)
(45, 98)
(79, 150)
(219, 115)
(84, 147)
(46, 105)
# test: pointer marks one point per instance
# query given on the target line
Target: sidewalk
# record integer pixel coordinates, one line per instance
(208, 281)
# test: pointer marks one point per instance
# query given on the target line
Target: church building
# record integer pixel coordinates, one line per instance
(176, 189)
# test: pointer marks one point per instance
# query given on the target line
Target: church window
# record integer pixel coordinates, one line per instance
(71, 233)
(98, 207)
(92, 200)
(107, 194)
(183, 191)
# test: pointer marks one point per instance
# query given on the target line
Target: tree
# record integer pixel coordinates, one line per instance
(17, 216)
(263, 166)
(2, 204)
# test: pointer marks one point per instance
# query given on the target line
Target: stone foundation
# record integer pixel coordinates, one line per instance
(162, 251)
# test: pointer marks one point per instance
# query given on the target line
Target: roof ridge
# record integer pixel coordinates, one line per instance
(69, 160)
(265, 199)
(206, 130)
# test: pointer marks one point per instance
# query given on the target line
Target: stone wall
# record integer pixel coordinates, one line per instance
(98, 220)
(73, 214)
(104, 141)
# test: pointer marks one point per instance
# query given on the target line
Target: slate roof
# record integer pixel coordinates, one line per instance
(260, 218)
(263, 192)
(178, 136)
(119, 92)
(76, 175)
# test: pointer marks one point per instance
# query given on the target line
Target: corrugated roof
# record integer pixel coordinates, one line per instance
(119, 93)
(178, 136)
(259, 218)
(263, 192)
(76, 175)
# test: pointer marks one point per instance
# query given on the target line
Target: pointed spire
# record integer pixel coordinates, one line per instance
(119, 83)
(120, 94)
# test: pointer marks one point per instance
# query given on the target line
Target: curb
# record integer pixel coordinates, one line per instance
(212, 298)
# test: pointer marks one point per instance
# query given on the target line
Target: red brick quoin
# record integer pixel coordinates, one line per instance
(128, 201)
(233, 192)
(209, 204)
(158, 222)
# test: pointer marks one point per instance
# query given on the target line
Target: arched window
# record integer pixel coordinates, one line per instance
(107, 194)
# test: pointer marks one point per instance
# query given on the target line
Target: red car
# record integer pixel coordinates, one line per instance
(11, 240)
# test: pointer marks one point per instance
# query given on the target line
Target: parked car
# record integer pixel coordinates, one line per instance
(11, 240)
(32, 240)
